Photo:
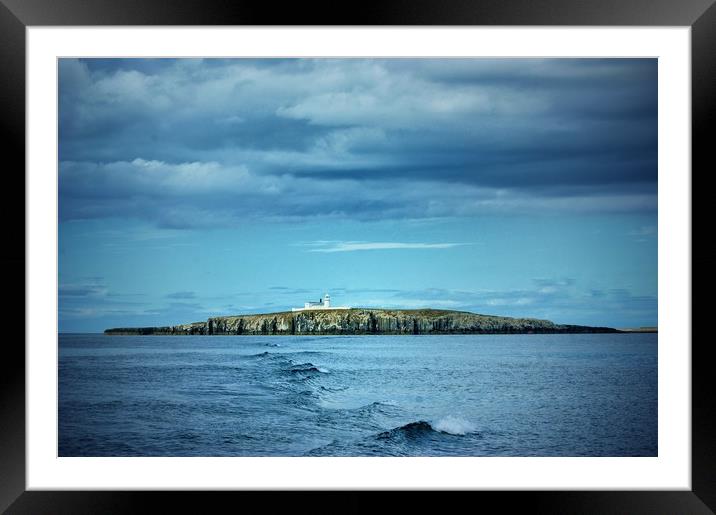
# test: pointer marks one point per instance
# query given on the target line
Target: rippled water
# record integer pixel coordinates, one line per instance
(466, 395)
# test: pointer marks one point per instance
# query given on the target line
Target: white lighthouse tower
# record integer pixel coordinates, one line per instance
(324, 303)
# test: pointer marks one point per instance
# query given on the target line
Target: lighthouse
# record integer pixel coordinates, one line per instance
(323, 303)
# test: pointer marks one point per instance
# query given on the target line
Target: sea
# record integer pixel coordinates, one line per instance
(441, 395)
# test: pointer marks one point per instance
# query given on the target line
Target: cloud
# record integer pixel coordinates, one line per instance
(561, 300)
(195, 195)
(181, 295)
(80, 304)
(552, 284)
(193, 143)
(286, 290)
(352, 246)
(82, 290)
(647, 230)
(644, 233)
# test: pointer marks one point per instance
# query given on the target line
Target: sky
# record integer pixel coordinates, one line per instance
(191, 188)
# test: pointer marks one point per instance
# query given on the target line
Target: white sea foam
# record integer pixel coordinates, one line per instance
(323, 370)
(453, 425)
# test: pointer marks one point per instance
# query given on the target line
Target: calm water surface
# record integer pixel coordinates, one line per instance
(467, 395)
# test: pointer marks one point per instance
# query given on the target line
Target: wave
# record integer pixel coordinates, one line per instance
(376, 407)
(334, 388)
(306, 338)
(380, 404)
(449, 425)
(416, 438)
(454, 426)
(361, 411)
(410, 430)
(307, 353)
(303, 368)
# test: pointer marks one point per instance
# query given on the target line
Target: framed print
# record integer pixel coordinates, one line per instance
(406, 251)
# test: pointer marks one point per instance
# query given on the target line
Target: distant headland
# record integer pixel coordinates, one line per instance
(324, 320)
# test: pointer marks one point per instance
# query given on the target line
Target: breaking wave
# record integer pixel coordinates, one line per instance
(454, 426)
(448, 425)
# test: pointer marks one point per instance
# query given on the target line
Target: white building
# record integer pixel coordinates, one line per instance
(324, 303)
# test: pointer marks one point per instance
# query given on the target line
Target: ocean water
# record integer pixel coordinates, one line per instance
(461, 395)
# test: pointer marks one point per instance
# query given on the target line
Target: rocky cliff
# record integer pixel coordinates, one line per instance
(363, 321)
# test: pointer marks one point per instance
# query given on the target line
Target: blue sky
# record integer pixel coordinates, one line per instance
(521, 187)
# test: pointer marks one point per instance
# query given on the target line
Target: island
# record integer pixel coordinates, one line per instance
(350, 321)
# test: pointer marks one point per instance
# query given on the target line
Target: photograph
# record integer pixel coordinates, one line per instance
(438, 249)
(357, 256)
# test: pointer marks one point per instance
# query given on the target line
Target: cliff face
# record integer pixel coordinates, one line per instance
(364, 321)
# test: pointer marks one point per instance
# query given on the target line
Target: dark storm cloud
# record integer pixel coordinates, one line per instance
(186, 143)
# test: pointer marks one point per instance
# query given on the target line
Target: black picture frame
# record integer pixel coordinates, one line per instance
(16, 15)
